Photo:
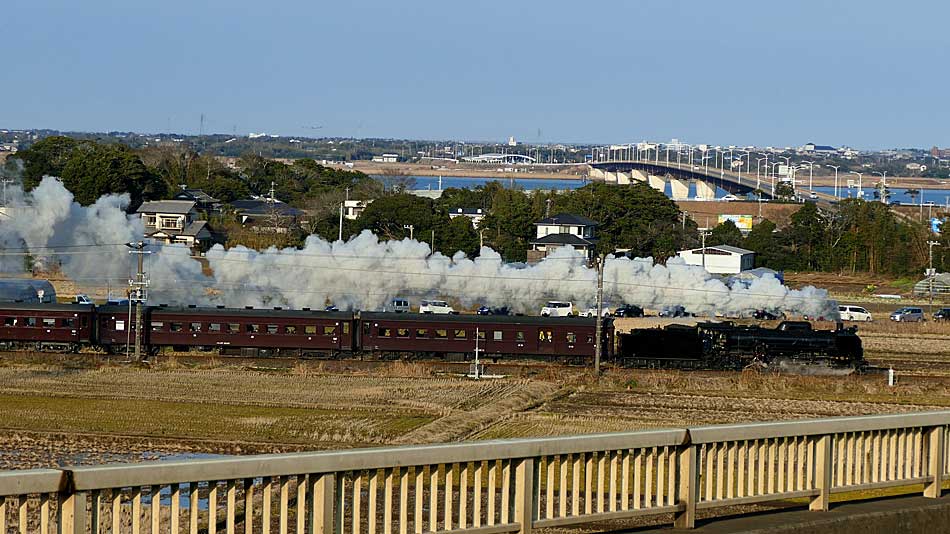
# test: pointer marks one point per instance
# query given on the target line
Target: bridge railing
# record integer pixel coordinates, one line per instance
(490, 486)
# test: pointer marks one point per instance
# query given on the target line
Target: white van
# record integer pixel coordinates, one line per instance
(557, 309)
(436, 306)
(854, 313)
(400, 305)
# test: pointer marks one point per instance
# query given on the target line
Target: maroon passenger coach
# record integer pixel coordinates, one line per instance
(564, 338)
(46, 326)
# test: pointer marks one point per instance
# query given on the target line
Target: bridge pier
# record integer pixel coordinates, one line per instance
(679, 189)
(638, 175)
(610, 177)
(658, 182)
(705, 190)
(623, 178)
(597, 174)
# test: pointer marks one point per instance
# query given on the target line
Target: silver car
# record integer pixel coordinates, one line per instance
(908, 314)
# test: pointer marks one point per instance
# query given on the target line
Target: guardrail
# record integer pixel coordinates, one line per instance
(489, 486)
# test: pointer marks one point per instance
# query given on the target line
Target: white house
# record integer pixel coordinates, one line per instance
(720, 259)
(475, 214)
(174, 221)
(562, 230)
(352, 209)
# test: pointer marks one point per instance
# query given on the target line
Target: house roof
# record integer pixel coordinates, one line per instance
(567, 219)
(264, 207)
(195, 228)
(197, 195)
(724, 248)
(563, 239)
(181, 207)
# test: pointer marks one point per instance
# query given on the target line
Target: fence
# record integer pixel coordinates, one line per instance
(491, 486)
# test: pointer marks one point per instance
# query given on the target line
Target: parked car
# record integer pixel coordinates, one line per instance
(908, 314)
(854, 313)
(400, 305)
(488, 310)
(592, 312)
(628, 310)
(331, 308)
(674, 311)
(765, 315)
(83, 299)
(436, 306)
(943, 314)
(557, 309)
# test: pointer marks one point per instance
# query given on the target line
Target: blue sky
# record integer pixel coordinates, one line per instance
(866, 73)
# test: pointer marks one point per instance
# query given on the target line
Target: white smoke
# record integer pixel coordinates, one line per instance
(366, 273)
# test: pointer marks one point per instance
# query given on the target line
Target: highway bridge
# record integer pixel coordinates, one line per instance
(493, 487)
(658, 173)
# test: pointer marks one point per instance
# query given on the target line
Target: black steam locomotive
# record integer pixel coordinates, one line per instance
(730, 346)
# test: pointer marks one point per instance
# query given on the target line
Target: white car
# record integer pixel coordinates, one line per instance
(854, 313)
(436, 306)
(557, 309)
(592, 312)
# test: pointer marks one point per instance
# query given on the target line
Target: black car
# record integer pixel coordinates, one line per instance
(485, 310)
(628, 310)
(943, 314)
(765, 315)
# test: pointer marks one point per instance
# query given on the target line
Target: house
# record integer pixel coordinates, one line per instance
(475, 214)
(720, 259)
(175, 221)
(267, 215)
(812, 148)
(203, 201)
(352, 209)
(563, 229)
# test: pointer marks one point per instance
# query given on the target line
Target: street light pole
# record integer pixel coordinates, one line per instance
(930, 271)
(883, 186)
(835, 167)
(860, 183)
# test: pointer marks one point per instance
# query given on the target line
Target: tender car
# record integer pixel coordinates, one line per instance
(628, 310)
(854, 313)
(908, 314)
(556, 308)
(943, 314)
(436, 306)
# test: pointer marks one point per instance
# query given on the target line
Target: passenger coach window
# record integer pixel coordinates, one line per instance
(481, 335)
(571, 337)
(157, 326)
(312, 329)
(31, 321)
(346, 328)
(9, 321)
(49, 323)
(290, 329)
(385, 332)
(441, 333)
(214, 327)
(422, 333)
(69, 322)
(195, 327)
(176, 327)
(402, 332)
(234, 328)
(329, 330)
(272, 329)
(498, 335)
(459, 334)
(545, 335)
(519, 336)
(253, 328)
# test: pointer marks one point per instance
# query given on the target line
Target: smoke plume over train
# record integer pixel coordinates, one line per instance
(361, 273)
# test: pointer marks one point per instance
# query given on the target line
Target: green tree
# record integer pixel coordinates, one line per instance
(46, 157)
(94, 170)
(763, 241)
(388, 217)
(509, 226)
(725, 233)
(457, 235)
(784, 191)
(805, 238)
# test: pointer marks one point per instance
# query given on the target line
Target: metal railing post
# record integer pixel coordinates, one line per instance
(688, 492)
(524, 495)
(72, 512)
(822, 474)
(324, 493)
(936, 443)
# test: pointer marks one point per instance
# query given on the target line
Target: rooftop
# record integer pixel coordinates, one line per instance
(567, 219)
(181, 207)
(563, 239)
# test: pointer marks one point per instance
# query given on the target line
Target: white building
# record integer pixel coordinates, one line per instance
(352, 209)
(475, 214)
(563, 229)
(720, 259)
(174, 221)
(386, 158)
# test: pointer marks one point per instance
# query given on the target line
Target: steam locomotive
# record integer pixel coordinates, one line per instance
(728, 346)
(308, 333)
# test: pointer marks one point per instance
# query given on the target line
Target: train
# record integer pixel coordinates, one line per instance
(257, 332)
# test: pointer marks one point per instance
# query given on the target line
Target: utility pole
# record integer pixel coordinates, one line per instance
(481, 238)
(930, 270)
(410, 228)
(5, 181)
(703, 235)
(600, 316)
(138, 293)
(340, 235)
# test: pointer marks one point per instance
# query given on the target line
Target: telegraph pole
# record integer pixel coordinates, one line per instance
(704, 234)
(600, 315)
(138, 293)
